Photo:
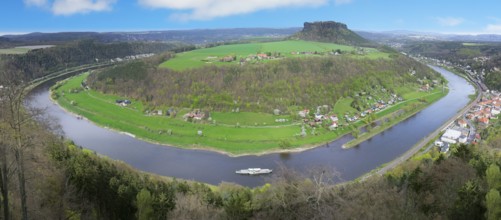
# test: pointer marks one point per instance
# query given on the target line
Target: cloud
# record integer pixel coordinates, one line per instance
(70, 7)
(493, 28)
(450, 21)
(342, 2)
(38, 3)
(209, 9)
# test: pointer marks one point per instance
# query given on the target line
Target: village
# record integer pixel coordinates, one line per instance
(374, 100)
(466, 129)
(377, 101)
(264, 56)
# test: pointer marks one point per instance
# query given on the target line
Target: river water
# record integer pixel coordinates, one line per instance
(214, 168)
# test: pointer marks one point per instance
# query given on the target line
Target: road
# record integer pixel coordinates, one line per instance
(424, 141)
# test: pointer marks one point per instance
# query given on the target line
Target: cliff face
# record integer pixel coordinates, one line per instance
(329, 31)
(323, 25)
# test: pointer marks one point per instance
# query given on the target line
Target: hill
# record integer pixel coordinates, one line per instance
(330, 31)
(261, 87)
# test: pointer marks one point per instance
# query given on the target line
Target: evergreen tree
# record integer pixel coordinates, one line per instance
(144, 202)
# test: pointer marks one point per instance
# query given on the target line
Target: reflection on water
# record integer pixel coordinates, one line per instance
(214, 168)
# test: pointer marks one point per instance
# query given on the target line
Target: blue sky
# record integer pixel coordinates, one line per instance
(444, 16)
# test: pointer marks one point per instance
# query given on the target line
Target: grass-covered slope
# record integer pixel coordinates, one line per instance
(275, 50)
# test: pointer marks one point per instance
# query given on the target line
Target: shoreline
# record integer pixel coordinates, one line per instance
(261, 153)
(421, 144)
(193, 147)
(368, 135)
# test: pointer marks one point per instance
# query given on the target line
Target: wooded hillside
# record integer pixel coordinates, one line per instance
(39, 62)
(301, 82)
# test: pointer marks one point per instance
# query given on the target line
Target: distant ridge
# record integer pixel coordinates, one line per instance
(405, 35)
(329, 31)
(194, 36)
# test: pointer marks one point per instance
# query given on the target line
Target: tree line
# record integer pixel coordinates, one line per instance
(301, 82)
(39, 62)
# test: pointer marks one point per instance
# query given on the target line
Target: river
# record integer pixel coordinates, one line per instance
(214, 168)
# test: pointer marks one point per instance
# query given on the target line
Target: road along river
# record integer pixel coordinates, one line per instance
(213, 168)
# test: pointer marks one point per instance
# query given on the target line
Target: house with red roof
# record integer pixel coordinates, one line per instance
(483, 121)
(462, 123)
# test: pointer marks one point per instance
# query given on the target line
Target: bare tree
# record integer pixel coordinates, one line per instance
(5, 173)
(17, 118)
(4, 164)
(295, 195)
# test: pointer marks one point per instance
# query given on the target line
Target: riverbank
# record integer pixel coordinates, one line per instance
(426, 140)
(391, 120)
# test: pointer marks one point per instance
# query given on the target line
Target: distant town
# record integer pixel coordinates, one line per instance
(466, 129)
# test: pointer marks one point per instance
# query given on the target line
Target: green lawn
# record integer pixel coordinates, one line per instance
(343, 105)
(206, 56)
(472, 44)
(250, 119)
(14, 50)
(257, 133)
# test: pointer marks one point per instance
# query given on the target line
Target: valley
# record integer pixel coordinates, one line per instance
(229, 110)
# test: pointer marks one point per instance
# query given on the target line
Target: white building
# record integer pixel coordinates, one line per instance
(495, 111)
(462, 139)
(451, 136)
(304, 113)
(439, 143)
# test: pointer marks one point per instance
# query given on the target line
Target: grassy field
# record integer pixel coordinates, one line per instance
(200, 57)
(472, 44)
(343, 106)
(256, 133)
(14, 50)
(250, 119)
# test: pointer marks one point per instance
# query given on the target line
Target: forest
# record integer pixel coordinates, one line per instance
(39, 62)
(300, 82)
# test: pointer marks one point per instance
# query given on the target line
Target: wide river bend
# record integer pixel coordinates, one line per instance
(213, 168)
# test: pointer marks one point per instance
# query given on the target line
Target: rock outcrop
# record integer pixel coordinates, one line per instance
(329, 31)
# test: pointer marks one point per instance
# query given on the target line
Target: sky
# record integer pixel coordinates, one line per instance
(441, 16)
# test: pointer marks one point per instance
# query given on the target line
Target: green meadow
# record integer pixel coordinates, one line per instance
(16, 50)
(208, 56)
(232, 133)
